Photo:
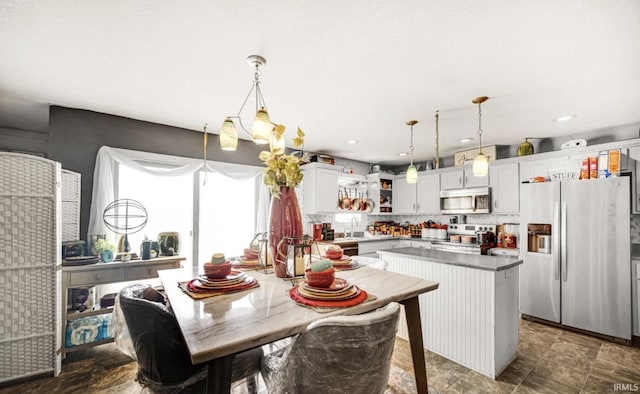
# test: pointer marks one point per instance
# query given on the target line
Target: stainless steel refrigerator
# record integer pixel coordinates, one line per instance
(585, 280)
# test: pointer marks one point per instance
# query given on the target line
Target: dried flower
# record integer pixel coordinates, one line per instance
(282, 170)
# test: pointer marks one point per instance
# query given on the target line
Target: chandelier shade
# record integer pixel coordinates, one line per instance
(228, 135)
(262, 127)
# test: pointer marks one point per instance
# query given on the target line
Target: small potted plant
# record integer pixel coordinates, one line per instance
(105, 250)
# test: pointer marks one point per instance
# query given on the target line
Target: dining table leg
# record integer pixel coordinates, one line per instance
(219, 375)
(414, 326)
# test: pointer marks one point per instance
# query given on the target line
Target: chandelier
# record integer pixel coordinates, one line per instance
(263, 130)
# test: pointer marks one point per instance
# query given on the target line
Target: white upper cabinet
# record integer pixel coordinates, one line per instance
(534, 168)
(428, 193)
(462, 178)
(320, 189)
(404, 196)
(505, 188)
(422, 197)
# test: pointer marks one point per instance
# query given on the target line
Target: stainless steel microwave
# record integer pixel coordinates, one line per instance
(473, 200)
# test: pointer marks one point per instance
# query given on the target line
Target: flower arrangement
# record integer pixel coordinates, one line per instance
(282, 170)
(102, 245)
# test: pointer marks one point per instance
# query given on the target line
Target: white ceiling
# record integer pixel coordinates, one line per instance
(339, 69)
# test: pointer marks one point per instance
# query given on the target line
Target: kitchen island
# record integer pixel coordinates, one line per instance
(473, 318)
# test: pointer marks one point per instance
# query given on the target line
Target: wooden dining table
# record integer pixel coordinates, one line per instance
(216, 328)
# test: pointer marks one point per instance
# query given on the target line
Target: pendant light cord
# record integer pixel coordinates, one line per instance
(411, 147)
(437, 140)
(480, 125)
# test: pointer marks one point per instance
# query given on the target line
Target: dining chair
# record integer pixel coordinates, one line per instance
(164, 364)
(337, 354)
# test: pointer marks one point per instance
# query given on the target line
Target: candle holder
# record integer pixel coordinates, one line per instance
(300, 254)
(263, 250)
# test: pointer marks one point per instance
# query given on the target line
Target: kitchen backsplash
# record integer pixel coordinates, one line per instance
(366, 220)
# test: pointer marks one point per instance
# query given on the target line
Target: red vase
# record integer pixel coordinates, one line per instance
(284, 221)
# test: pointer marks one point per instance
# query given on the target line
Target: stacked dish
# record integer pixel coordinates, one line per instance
(341, 293)
(235, 281)
(339, 290)
(248, 260)
(343, 263)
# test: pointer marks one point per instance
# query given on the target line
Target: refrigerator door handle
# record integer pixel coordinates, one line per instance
(563, 240)
(555, 244)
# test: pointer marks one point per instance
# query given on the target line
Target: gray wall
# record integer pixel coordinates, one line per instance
(76, 135)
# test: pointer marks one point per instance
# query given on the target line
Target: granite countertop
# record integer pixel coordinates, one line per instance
(482, 262)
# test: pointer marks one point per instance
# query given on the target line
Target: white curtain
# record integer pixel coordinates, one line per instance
(105, 172)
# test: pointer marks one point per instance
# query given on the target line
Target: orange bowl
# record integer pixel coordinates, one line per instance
(320, 279)
(217, 271)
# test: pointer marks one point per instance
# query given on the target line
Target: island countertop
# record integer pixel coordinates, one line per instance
(482, 262)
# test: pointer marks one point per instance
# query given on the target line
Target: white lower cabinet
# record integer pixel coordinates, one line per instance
(370, 248)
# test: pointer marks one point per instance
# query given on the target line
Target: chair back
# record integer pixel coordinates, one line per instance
(372, 262)
(160, 348)
(341, 354)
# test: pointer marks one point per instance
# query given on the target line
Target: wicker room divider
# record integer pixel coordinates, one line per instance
(30, 257)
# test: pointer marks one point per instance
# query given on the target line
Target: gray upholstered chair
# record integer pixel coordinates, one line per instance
(164, 364)
(338, 354)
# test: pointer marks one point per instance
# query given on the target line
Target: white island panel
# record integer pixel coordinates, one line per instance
(473, 318)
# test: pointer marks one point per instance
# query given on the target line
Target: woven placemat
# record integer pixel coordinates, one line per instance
(212, 293)
(324, 309)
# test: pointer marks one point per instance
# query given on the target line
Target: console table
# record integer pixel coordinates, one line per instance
(105, 273)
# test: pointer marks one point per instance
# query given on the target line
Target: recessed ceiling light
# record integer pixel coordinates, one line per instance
(564, 118)
(463, 140)
(352, 142)
(403, 154)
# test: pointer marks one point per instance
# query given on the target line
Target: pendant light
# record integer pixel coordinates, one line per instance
(481, 162)
(412, 172)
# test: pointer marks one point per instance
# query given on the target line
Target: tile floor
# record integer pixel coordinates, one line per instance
(550, 360)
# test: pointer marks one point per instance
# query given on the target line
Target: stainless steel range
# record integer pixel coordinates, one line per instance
(467, 238)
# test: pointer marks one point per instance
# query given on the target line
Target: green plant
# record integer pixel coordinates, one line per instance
(282, 170)
(103, 244)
